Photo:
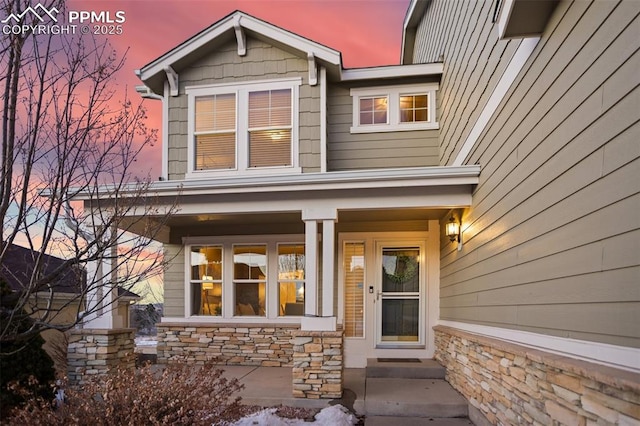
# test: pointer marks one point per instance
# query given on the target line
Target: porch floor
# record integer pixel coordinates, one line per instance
(271, 386)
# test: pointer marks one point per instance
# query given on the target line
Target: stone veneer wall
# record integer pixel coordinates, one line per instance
(512, 384)
(95, 351)
(267, 345)
(318, 367)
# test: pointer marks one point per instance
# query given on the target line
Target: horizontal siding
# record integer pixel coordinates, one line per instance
(552, 242)
(348, 151)
(262, 62)
(174, 281)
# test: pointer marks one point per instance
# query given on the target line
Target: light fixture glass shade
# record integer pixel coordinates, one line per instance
(452, 229)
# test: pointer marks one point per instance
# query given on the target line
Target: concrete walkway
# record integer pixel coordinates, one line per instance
(379, 401)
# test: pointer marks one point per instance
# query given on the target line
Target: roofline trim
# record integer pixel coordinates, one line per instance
(231, 23)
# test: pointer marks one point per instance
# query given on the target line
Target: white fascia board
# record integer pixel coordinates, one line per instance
(503, 19)
(409, 177)
(393, 71)
(361, 179)
(229, 24)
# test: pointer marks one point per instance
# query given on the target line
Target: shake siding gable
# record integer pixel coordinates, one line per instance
(552, 242)
(262, 62)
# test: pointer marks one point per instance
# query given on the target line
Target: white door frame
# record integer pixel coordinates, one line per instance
(380, 245)
(357, 350)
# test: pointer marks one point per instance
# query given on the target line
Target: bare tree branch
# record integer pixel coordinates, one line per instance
(68, 135)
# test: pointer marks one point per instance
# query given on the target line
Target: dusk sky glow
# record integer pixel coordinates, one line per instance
(366, 32)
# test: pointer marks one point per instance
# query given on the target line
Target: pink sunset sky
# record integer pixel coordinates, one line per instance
(366, 32)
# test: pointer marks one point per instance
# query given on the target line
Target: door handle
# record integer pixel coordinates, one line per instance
(378, 294)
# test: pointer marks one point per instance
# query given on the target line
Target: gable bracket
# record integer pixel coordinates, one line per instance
(313, 69)
(172, 77)
(240, 37)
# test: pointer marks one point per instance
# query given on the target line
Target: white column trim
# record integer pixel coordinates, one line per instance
(165, 132)
(601, 353)
(328, 266)
(323, 120)
(510, 74)
(311, 267)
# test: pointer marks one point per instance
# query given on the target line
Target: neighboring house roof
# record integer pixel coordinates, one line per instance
(236, 26)
(17, 267)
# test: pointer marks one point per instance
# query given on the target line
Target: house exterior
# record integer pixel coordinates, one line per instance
(477, 204)
(19, 269)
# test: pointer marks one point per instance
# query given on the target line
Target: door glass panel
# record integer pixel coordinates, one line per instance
(401, 270)
(399, 310)
(400, 320)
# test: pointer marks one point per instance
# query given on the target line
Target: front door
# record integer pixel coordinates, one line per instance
(399, 295)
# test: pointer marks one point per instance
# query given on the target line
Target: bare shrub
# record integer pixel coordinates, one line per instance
(180, 394)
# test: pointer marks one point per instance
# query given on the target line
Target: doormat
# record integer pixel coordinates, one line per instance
(398, 360)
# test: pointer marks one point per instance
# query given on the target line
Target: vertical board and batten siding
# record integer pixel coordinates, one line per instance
(346, 151)
(262, 62)
(552, 241)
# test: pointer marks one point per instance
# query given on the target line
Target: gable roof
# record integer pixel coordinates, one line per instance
(239, 24)
(153, 74)
(18, 265)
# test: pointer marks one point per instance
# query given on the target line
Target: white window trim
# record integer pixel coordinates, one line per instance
(241, 90)
(227, 243)
(393, 93)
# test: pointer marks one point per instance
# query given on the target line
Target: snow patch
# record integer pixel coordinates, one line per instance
(336, 415)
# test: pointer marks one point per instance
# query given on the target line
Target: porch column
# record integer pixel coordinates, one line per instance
(311, 267)
(101, 294)
(328, 262)
(315, 320)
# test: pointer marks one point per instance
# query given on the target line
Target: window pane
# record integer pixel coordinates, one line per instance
(216, 151)
(250, 299)
(354, 289)
(291, 262)
(380, 117)
(250, 262)
(207, 298)
(373, 110)
(206, 269)
(420, 101)
(217, 112)
(366, 118)
(270, 148)
(400, 320)
(413, 108)
(270, 108)
(401, 270)
(206, 263)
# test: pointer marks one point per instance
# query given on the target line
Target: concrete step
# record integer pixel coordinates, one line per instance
(426, 398)
(425, 369)
(414, 421)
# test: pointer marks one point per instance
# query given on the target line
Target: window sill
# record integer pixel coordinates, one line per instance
(232, 322)
(385, 128)
(208, 174)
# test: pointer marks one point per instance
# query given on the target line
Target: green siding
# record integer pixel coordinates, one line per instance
(552, 242)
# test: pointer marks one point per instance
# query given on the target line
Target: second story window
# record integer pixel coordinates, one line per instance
(270, 128)
(243, 128)
(394, 108)
(215, 132)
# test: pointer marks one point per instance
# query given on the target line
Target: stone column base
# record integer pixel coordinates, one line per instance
(318, 367)
(98, 351)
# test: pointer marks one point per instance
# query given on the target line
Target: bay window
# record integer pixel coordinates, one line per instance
(243, 128)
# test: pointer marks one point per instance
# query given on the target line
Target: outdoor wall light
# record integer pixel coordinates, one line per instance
(452, 229)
